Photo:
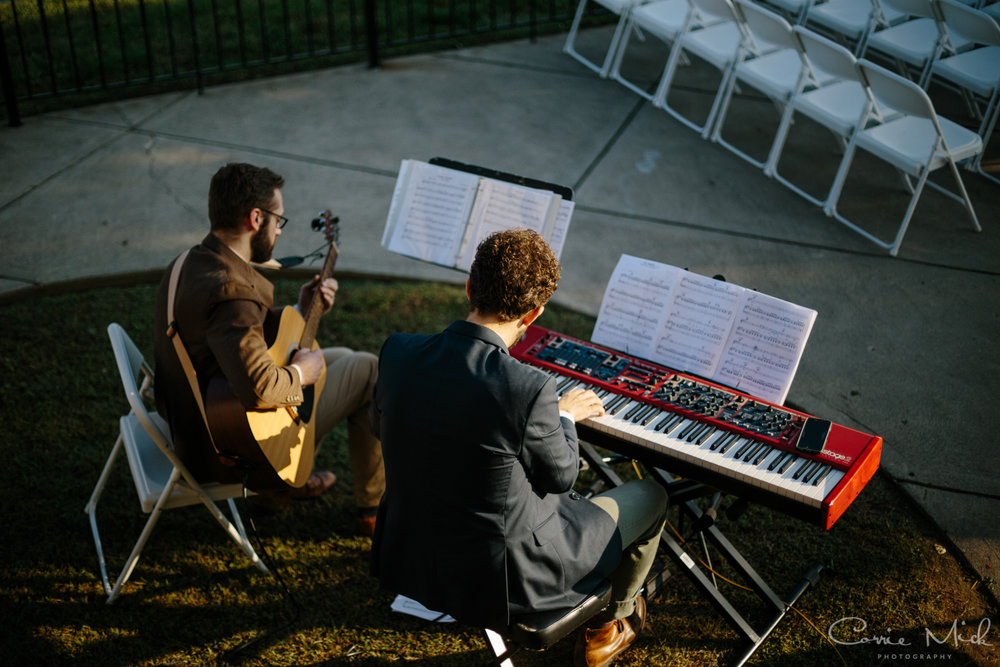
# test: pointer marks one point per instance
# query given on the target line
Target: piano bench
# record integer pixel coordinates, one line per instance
(538, 631)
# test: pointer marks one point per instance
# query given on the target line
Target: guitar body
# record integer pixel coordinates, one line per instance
(283, 438)
(279, 443)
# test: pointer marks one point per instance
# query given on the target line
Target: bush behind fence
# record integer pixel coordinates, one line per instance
(56, 52)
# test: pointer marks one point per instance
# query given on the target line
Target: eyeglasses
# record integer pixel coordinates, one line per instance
(282, 220)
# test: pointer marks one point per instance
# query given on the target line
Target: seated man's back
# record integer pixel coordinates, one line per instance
(479, 519)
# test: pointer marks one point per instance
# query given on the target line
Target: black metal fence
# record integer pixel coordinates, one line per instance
(57, 52)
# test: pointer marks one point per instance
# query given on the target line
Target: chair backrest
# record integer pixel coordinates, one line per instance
(617, 6)
(766, 26)
(971, 24)
(796, 7)
(720, 9)
(896, 92)
(924, 8)
(826, 55)
(137, 380)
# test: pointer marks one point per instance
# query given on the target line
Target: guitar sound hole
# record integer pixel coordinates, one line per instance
(305, 410)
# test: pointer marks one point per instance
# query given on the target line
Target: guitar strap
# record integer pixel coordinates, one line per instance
(185, 360)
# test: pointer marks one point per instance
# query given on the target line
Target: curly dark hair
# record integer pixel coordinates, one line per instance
(514, 272)
(237, 189)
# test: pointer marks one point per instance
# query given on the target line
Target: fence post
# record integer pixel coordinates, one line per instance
(371, 31)
(7, 84)
(194, 46)
(533, 19)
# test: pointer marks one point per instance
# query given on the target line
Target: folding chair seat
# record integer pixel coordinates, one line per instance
(619, 7)
(977, 71)
(161, 480)
(540, 630)
(663, 19)
(853, 20)
(717, 44)
(839, 104)
(916, 43)
(916, 142)
(778, 73)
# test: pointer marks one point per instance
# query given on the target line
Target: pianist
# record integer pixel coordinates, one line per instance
(479, 519)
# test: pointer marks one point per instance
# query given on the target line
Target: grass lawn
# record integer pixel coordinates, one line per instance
(194, 598)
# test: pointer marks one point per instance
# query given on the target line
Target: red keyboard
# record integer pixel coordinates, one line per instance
(707, 432)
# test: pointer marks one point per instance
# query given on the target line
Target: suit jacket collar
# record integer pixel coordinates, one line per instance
(242, 269)
(471, 330)
(215, 244)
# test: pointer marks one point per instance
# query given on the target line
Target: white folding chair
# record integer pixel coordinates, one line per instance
(663, 19)
(717, 44)
(621, 9)
(976, 72)
(839, 104)
(916, 142)
(852, 20)
(161, 480)
(778, 73)
(917, 43)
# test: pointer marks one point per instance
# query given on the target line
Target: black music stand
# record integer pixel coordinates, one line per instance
(682, 494)
(563, 191)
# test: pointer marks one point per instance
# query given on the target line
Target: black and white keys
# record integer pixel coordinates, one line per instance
(702, 443)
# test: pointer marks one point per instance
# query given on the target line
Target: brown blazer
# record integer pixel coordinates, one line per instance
(222, 309)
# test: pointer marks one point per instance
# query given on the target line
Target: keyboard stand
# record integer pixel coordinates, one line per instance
(682, 495)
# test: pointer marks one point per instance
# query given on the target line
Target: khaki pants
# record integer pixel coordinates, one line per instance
(640, 510)
(350, 378)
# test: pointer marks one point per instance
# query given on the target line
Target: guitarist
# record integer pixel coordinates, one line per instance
(224, 312)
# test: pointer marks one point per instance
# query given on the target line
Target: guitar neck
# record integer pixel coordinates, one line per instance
(315, 307)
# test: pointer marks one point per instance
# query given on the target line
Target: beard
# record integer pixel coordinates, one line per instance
(260, 247)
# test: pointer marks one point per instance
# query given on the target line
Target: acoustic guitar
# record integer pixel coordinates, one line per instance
(278, 442)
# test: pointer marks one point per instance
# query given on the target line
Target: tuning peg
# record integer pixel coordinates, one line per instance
(323, 219)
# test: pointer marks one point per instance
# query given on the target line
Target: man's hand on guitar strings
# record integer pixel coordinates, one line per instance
(327, 291)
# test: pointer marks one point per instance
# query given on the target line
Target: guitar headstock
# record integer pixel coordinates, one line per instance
(329, 224)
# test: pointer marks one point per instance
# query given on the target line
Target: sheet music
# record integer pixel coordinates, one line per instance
(561, 226)
(440, 214)
(694, 324)
(501, 205)
(634, 303)
(765, 347)
(406, 605)
(699, 317)
(428, 214)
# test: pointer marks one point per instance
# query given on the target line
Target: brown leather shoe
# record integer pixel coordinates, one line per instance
(317, 484)
(599, 646)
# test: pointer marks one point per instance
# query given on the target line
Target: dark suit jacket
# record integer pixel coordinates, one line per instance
(478, 519)
(222, 308)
